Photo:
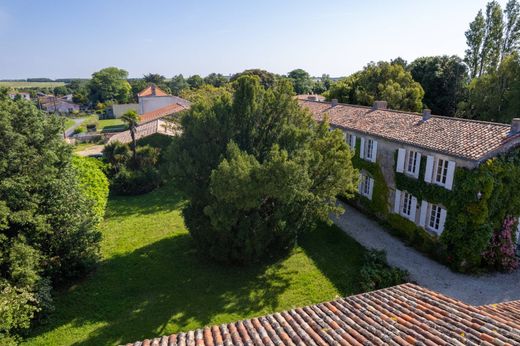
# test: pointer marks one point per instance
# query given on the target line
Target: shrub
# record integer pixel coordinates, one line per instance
(377, 274)
(500, 253)
(93, 183)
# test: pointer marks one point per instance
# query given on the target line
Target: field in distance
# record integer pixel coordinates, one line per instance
(24, 85)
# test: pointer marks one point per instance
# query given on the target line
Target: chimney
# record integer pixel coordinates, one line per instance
(311, 98)
(379, 105)
(153, 89)
(333, 102)
(426, 114)
(515, 126)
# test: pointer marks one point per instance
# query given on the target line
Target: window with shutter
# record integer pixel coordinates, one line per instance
(436, 219)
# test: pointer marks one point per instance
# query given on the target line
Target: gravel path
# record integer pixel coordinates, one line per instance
(77, 122)
(474, 290)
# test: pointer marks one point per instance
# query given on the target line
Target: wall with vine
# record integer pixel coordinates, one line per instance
(477, 206)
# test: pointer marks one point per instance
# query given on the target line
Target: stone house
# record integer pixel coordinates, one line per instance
(419, 148)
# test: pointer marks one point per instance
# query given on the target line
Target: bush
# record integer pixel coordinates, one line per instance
(377, 274)
(93, 183)
(128, 177)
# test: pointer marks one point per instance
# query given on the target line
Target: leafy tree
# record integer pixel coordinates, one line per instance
(215, 79)
(154, 78)
(195, 81)
(61, 90)
(379, 81)
(511, 28)
(110, 84)
(137, 85)
(205, 92)
(301, 80)
(443, 79)
(399, 61)
(495, 97)
(47, 224)
(490, 53)
(131, 118)
(178, 84)
(267, 79)
(257, 171)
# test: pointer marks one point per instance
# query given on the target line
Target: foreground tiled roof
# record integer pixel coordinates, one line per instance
(161, 112)
(152, 90)
(468, 139)
(508, 312)
(150, 128)
(400, 315)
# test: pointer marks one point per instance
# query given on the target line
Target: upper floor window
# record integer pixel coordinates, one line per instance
(441, 173)
(351, 140)
(412, 165)
(370, 149)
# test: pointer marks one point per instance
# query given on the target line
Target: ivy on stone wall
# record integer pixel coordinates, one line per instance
(476, 207)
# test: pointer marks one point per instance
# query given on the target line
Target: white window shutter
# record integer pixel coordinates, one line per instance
(417, 166)
(354, 143)
(429, 169)
(413, 209)
(374, 151)
(424, 211)
(371, 188)
(362, 148)
(397, 201)
(442, 220)
(450, 174)
(401, 154)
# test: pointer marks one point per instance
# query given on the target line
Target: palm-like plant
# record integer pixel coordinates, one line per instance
(131, 118)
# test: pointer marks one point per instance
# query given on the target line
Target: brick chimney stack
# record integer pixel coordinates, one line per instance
(515, 126)
(426, 114)
(333, 102)
(379, 105)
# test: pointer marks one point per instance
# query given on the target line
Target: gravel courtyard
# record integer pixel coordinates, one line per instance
(475, 290)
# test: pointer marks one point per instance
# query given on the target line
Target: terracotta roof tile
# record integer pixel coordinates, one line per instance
(152, 90)
(468, 139)
(402, 315)
(147, 129)
(161, 112)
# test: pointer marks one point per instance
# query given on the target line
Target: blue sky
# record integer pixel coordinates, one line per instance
(59, 39)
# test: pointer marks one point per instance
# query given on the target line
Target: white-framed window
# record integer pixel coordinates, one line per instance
(370, 149)
(351, 140)
(406, 205)
(436, 218)
(366, 186)
(413, 163)
(441, 172)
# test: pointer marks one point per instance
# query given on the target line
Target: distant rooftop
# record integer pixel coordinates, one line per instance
(464, 138)
(152, 90)
(402, 315)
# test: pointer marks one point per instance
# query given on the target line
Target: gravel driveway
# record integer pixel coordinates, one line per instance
(474, 290)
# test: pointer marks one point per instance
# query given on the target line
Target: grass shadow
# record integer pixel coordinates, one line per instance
(182, 289)
(337, 256)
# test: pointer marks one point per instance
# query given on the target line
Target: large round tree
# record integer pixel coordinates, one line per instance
(257, 171)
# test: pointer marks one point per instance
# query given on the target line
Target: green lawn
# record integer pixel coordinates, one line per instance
(111, 125)
(152, 281)
(68, 123)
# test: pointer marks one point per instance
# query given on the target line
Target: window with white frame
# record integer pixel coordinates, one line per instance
(351, 140)
(412, 165)
(406, 206)
(435, 218)
(370, 149)
(441, 173)
(366, 186)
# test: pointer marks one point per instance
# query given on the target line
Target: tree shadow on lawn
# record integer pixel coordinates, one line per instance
(163, 288)
(163, 199)
(337, 256)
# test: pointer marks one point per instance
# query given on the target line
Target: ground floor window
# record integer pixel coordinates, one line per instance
(436, 218)
(406, 207)
(366, 186)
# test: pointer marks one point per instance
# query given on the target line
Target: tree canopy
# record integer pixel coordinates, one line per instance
(110, 84)
(48, 218)
(177, 84)
(256, 170)
(380, 81)
(267, 78)
(444, 79)
(301, 80)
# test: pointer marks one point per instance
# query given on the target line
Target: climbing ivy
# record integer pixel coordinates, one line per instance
(476, 207)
